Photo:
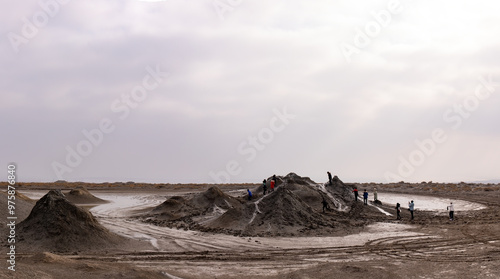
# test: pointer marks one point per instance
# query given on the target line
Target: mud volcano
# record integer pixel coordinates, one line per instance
(282, 212)
(81, 195)
(56, 224)
(293, 209)
(199, 206)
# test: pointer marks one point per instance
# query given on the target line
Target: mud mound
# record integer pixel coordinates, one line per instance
(294, 208)
(208, 202)
(340, 192)
(293, 178)
(280, 213)
(214, 196)
(338, 195)
(81, 195)
(55, 224)
(23, 206)
(336, 182)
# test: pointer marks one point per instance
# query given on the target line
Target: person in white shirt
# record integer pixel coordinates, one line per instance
(411, 207)
(451, 209)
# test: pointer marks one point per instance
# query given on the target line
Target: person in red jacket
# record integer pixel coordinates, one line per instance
(355, 191)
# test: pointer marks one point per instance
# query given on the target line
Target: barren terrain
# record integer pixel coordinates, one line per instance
(367, 242)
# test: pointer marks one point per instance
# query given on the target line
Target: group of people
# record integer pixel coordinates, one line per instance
(411, 208)
(365, 195)
(272, 185)
(411, 204)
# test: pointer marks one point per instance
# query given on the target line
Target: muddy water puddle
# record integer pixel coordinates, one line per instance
(428, 203)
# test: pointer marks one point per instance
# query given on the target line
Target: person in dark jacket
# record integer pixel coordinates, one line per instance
(249, 194)
(398, 211)
(365, 197)
(325, 205)
(329, 178)
(264, 186)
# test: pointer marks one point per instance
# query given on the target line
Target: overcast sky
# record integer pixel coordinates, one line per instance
(239, 90)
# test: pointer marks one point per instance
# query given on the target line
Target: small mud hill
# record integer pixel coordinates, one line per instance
(55, 224)
(23, 206)
(340, 192)
(80, 195)
(210, 201)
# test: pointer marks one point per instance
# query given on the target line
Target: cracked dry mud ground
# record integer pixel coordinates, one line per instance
(431, 247)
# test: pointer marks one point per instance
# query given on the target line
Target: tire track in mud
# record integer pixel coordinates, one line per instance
(165, 237)
(437, 250)
(462, 243)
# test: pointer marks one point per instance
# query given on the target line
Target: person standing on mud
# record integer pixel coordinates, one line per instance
(274, 179)
(325, 205)
(365, 197)
(375, 195)
(398, 211)
(411, 207)
(355, 191)
(249, 194)
(264, 186)
(451, 209)
(329, 178)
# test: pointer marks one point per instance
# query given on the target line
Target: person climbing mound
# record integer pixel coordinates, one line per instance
(325, 205)
(264, 186)
(355, 191)
(329, 178)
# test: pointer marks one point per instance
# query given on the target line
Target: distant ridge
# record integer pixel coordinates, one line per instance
(494, 181)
